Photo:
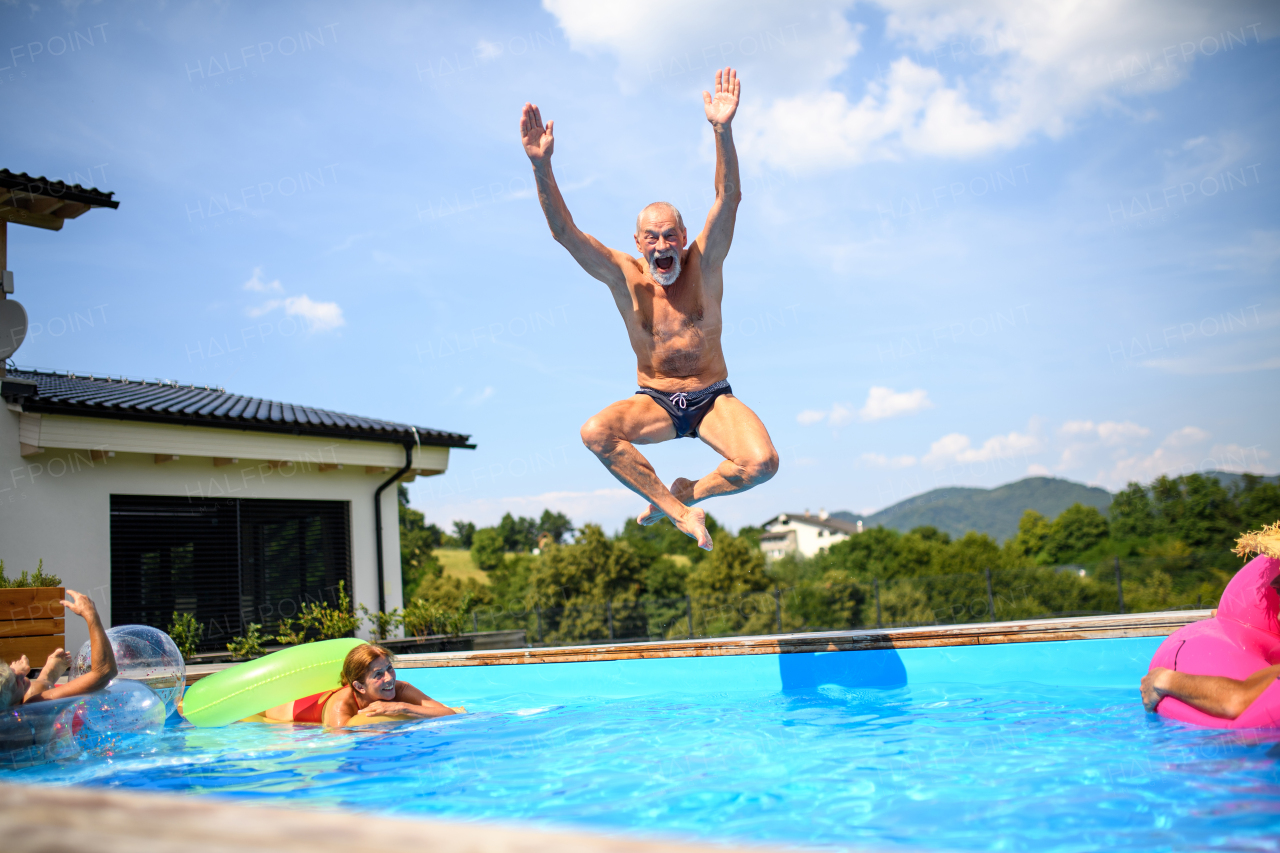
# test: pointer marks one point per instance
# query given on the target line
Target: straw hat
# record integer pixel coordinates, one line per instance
(1264, 541)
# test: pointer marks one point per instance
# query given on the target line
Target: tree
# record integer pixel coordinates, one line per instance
(579, 586)
(518, 534)
(1075, 531)
(1131, 513)
(872, 553)
(972, 552)
(418, 541)
(487, 549)
(729, 590)
(1259, 502)
(463, 531)
(1033, 532)
(556, 525)
(1196, 510)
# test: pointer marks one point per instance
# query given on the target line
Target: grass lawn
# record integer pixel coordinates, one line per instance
(458, 564)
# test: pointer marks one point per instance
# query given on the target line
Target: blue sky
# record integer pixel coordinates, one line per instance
(978, 241)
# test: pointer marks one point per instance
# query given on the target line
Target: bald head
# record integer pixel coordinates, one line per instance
(662, 209)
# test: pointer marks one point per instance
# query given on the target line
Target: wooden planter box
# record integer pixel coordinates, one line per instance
(31, 623)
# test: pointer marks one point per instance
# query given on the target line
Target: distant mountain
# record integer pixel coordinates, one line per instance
(994, 512)
(1231, 481)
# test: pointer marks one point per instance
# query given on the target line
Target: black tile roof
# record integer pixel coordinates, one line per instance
(22, 182)
(193, 405)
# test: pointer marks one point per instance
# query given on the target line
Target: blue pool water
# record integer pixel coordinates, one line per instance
(1008, 767)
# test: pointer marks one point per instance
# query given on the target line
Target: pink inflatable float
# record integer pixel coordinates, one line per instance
(1243, 638)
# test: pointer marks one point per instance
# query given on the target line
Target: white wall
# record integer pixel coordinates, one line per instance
(808, 540)
(56, 506)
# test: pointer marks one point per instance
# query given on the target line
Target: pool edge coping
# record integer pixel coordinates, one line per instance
(1158, 624)
(38, 818)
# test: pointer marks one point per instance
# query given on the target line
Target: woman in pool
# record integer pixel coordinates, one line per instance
(369, 688)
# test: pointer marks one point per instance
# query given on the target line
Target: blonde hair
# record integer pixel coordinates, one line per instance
(8, 686)
(359, 659)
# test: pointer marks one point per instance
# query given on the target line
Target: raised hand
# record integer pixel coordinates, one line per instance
(538, 140)
(724, 104)
(80, 604)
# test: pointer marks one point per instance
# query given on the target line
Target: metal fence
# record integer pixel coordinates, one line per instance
(989, 595)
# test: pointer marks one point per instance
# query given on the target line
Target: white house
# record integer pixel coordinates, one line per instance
(804, 533)
(154, 497)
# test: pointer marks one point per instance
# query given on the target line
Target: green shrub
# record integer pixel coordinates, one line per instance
(318, 620)
(487, 549)
(23, 581)
(380, 623)
(423, 617)
(186, 633)
(248, 646)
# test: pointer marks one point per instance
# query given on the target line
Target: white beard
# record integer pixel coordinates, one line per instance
(667, 278)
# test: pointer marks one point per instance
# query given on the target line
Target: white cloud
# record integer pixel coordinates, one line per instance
(1185, 437)
(841, 414)
(256, 284)
(319, 316)
(887, 403)
(1038, 471)
(1112, 432)
(1233, 457)
(881, 403)
(487, 50)
(480, 396)
(968, 79)
(1174, 456)
(879, 460)
(1078, 428)
(956, 448)
(777, 47)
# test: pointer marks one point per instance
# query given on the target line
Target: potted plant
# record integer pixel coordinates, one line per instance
(31, 619)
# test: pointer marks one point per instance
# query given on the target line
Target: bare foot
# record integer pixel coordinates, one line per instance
(681, 490)
(1151, 696)
(695, 527)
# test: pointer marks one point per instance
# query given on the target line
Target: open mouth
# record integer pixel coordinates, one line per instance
(665, 263)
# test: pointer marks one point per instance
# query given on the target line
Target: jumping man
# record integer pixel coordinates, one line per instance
(669, 299)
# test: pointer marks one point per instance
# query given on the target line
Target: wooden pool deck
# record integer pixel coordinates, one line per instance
(1159, 624)
(85, 820)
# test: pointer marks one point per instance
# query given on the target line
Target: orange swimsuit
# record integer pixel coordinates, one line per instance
(310, 709)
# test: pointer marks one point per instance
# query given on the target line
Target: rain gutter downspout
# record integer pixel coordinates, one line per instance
(377, 519)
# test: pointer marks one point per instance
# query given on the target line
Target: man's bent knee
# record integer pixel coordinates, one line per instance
(760, 469)
(597, 436)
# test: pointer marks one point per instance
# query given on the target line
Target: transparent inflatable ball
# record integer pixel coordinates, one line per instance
(143, 654)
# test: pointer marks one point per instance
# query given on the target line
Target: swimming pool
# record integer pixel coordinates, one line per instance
(917, 747)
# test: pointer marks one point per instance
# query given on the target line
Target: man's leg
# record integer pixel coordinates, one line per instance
(733, 431)
(612, 436)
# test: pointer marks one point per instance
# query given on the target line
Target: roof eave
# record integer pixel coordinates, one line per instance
(36, 406)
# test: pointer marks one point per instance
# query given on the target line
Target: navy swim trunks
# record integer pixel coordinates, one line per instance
(688, 409)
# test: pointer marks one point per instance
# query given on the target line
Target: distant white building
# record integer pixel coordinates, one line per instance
(805, 534)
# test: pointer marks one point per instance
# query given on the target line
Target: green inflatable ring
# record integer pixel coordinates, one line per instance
(253, 687)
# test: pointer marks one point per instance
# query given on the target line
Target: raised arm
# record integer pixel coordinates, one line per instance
(598, 260)
(717, 234)
(102, 658)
